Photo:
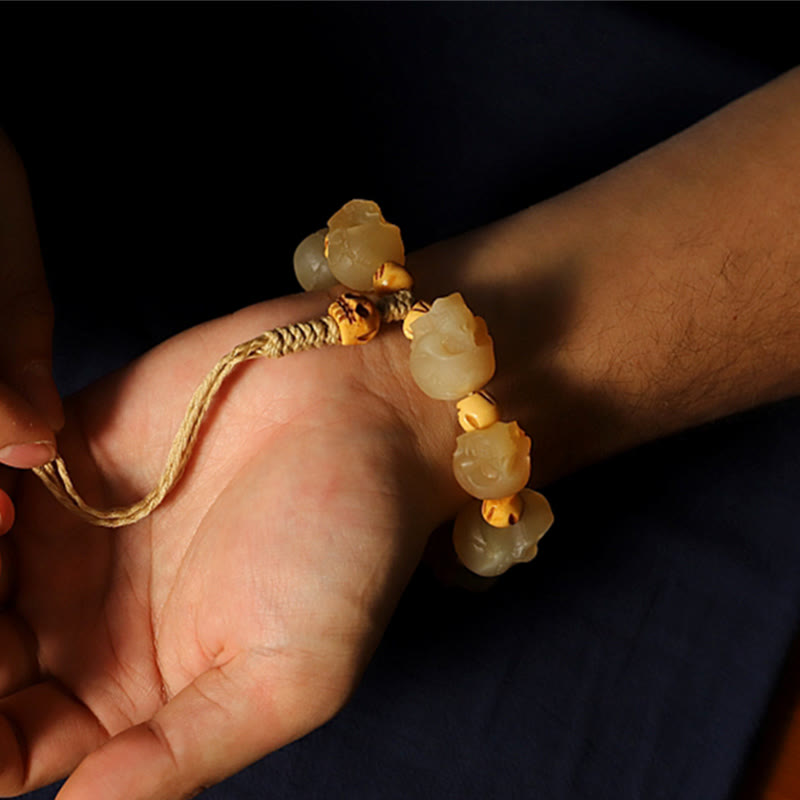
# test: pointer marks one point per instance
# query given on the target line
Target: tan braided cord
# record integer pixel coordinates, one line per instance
(271, 344)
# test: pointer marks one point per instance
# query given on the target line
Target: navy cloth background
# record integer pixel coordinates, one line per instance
(636, 657)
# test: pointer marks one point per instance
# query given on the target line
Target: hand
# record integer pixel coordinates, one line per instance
(30, 408)
(157, 659)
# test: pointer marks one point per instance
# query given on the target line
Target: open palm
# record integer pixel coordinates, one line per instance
(161, 657)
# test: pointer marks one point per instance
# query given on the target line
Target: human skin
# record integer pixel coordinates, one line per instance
(153, 660)
(658, 296)
(30, 408)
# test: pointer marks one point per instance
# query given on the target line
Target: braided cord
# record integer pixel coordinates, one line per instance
(275, 343)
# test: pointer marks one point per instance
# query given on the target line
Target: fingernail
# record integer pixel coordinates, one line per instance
(25, 456)
(40, 390)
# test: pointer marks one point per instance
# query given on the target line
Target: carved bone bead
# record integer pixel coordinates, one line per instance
(310, 265)
(359, 241)
(416, 311)
(477, 410)
(357, 317)
(489, 551)
(502, 512)
(494, 461)
(391, 277)
(452, 353)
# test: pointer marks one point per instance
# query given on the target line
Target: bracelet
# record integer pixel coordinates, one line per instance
(452, 358)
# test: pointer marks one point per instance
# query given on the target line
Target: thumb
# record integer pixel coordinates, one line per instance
(26, 313)
(229, 717)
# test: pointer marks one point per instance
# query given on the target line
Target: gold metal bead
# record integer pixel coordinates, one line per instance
(416, 311)
(357, 317)
(391, 277)
(503, 511)
(477, 410)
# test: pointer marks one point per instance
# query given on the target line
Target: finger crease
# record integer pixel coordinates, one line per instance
(22, 747)
(157, 731)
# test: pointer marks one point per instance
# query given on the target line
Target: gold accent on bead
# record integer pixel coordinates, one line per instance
(357, 317)
(416, 311)
(477, 410)
(391, 277)
(502, 512)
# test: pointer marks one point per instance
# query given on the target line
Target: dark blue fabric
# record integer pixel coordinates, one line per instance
(636, 656)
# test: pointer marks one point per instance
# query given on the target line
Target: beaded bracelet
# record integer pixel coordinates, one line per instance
(452, 358)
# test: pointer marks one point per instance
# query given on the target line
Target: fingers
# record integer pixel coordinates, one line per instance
(216, 726)
(5, 570)
(26, 440)
(6, 521)
(25, 306)
(7, 515)
(18, 663)
(44, 733)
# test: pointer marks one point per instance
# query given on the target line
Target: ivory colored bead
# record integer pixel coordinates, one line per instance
(489, 551)
(310, 265)
(494, 461)
(391, 277)
(359, 240)
(477, 410)
(502, 511)
(415, 312)
(356, 212)
(452, 353)
(357, 317)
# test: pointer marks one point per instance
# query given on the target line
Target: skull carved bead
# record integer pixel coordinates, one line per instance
(452, 353)
(391, 277)
(415, 312)
(494, 461)
(477, 410)
(489, 551)
(502, 512)
(359, 241)
(357, 317)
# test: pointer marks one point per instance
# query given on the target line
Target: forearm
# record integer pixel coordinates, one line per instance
(657, 296)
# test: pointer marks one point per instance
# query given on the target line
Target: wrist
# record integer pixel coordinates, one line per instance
(655, 297)
(522, 275)
(422, 429)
